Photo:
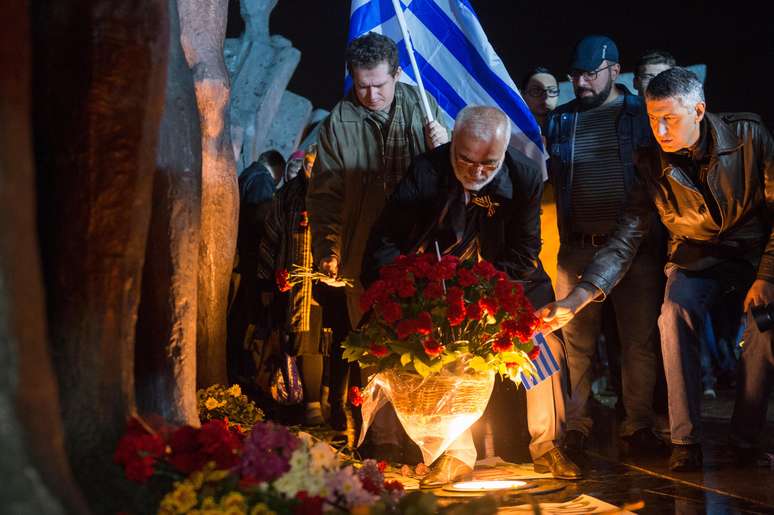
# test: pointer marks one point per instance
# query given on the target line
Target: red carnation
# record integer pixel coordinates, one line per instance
(406, 288)
(405, 329)
(424, 324)
(474, 311)
(355, 396)
(304, 222)
(534, 353)
(484, 269)
(466, 278)
(137, 451)
(433, 290)
(393, 486)
(502, 344)
(377, 292)
(308, 505)
(390, 311)
(432, 347)
(281, 276)
(379, 350)
(489, 304)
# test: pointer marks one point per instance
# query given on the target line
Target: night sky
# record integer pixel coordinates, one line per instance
(735, 40)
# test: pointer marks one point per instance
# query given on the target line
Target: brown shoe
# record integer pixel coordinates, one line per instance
(446, 469)
(558, 464)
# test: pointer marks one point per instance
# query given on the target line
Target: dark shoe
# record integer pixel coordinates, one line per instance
(445, 470)
(558, 464)
(747, 456)
(575, 443)
(685, 458)
(645, 441)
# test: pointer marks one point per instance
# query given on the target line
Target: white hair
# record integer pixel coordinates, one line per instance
(483, 123)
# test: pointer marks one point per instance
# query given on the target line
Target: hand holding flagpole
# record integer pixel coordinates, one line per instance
(410, 49)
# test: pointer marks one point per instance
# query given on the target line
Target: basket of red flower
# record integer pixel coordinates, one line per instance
(436, 332)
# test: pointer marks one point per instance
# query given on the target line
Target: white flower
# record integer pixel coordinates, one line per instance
(322, 457)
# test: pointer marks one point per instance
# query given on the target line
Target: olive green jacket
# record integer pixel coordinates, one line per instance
(347, 187)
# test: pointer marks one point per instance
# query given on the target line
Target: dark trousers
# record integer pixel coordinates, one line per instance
(688, 298)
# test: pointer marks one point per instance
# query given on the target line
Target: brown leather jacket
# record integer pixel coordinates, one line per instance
(740, 176)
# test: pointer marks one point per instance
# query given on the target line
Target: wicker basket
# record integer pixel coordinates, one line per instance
(438, 409)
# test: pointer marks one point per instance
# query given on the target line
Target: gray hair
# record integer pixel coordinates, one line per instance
(679, 83)
(483, 123)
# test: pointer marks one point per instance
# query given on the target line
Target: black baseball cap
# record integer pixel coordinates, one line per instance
(591, 51)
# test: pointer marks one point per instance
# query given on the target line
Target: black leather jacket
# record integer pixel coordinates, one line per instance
(740, 177)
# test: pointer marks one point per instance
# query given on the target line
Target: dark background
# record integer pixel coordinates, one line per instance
(734, 39)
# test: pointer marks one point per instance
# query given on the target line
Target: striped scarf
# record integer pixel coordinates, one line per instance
(397, 147)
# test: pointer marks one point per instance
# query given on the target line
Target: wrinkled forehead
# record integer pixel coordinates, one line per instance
(479, 147)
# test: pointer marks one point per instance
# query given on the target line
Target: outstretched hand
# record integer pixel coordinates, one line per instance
(556, 315)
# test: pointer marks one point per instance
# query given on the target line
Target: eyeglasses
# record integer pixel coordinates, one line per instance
(486, 167)
(539, 92)
(575, 75)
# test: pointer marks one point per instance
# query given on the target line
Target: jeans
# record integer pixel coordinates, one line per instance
(636, 300)
(687, 299)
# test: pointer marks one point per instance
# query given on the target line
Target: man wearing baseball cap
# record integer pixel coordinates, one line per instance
(591, 141)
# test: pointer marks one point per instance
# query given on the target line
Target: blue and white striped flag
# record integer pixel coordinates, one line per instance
(545, 364)
(458, 65)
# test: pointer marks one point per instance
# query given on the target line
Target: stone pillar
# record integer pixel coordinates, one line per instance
(34, 468)
(203, 27)
(98, 88)
(165, 354)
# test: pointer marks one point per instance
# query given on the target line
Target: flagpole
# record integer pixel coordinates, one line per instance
(410, 49)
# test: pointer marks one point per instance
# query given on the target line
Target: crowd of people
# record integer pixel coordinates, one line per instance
(664, 219)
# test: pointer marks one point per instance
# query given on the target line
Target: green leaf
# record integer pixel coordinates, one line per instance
(405, 358)
(478, 364)
(421, 368)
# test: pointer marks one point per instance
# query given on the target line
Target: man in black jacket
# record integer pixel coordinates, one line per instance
(475, 198)
(712, 183)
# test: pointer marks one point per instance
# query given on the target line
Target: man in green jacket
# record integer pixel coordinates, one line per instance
(364, 148)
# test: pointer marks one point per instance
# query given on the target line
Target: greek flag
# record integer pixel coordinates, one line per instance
(458, 65)
(545, 364)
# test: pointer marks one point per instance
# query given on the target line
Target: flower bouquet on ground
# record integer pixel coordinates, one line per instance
(437, 331)
(230, 404)
(217, 469)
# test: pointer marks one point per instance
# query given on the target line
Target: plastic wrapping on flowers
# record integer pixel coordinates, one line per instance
(434, 410)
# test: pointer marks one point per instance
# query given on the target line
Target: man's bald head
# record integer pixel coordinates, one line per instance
(479, 141)
(483, 123)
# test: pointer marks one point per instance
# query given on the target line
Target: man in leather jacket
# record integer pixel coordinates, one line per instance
(712, 183)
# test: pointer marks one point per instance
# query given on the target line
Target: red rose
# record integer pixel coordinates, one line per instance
(355, 396)
(391, 311)
(502, 344)
(432, 347)
(378, 350)
(281, 277)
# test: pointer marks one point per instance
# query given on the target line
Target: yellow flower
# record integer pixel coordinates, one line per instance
(234, 391)
(208, 503)
(261, 509)
(211, 403)
(196, 479)
(234, 501)
(185, 497)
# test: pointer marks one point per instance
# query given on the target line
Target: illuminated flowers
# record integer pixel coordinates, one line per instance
(425, 313)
